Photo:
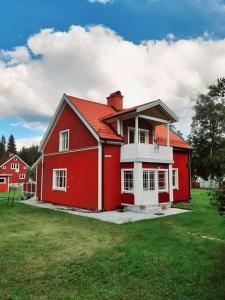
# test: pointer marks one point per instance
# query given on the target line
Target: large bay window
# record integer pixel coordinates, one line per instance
(142, 136)
(148, 180)
(64, 140)
(163, 180)
(175, 178)
(59, 179)
(127, 180)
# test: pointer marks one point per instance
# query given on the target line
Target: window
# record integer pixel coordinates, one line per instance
(15, 158)
(2, 180)
(148, 180)
(25, 167)
(128, 180)
(59, 179)
(4, 167)
(14, 166)
(175, 178)
(64, 140)
(162, 180)
(142, 136)
(22, 176)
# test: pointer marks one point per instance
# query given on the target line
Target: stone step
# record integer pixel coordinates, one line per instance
(147, 208)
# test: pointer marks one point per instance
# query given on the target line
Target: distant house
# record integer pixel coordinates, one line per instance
(4, 182)
(98, 156)
(14, 166)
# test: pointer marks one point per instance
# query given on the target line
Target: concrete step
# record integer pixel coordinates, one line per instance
(147, 208)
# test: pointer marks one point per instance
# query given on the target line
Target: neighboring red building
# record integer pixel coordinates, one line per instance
(16, 167)
(4, 182)
(99, 156)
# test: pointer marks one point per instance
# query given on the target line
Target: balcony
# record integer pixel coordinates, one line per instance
(146, 153)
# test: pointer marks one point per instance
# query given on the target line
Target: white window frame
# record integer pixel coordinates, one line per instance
(166, 179)
(176, 186)
(155, 179)
(60, 140)
(54, 187)
(22, 176)
(14, 166)
(146, 131)
(122, 181)
(4, 180)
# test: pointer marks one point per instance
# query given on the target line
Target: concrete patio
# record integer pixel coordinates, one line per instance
(116, 217)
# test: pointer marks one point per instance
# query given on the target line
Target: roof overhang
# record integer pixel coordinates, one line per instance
(158, 110)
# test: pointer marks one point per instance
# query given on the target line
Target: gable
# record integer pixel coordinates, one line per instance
(79, 135)
(11, 160)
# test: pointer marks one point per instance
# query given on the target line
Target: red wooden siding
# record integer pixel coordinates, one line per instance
(5, 186)
(79, 136)
(82, 179)
(181, 162)
(111, 177)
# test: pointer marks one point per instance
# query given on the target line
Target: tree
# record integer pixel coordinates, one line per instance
(11, 145)
(177, 131)
(2, 148)
(208, 132)
(29, 154)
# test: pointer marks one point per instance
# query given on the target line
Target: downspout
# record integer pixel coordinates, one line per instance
(189, 169)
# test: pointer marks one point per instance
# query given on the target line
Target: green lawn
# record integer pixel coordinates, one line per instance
(47, 254)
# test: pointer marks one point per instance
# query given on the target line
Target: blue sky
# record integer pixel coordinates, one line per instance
(133, 20)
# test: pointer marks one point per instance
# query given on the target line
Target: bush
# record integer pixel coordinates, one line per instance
(217, 196)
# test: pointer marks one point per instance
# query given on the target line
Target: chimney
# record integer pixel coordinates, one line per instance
(115, 100)
(10, 154)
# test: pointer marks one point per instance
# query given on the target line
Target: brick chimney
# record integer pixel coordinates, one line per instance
(10, 155)
(115, 100)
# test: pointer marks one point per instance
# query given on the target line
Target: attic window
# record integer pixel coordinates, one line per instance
(64, 140)
(15, 158)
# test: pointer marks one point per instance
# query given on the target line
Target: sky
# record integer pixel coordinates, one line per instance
(148, 49)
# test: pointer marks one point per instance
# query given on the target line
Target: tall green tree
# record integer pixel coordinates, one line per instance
(208, 132)
(29, 154)
(2, 148)
(11, 145)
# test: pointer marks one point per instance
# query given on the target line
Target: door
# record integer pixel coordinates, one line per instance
(148, 194)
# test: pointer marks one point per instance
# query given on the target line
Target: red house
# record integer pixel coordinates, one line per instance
(98, 156)
(16, 168)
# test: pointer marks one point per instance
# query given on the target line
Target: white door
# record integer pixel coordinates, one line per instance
(149, 189)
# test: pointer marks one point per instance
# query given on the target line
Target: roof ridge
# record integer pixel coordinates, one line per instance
(87, 100)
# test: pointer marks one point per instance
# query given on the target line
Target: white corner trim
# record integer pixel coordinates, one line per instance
(42, 173)
(100, 179)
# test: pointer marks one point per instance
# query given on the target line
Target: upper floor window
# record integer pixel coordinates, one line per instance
(142, 136)
(64, 140)
(15, 158)
(14, 166)
(22, 176)
(127, 181)
(175, 178)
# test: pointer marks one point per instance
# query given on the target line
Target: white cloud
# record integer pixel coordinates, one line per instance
(100, 1)
(27, 142)
(92, 62)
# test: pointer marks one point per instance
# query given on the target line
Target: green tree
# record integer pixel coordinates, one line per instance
(29, 154)
(11, 145)
(208, 132)
(2, 148)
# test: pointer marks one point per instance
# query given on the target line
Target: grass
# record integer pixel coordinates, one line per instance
(47, 254)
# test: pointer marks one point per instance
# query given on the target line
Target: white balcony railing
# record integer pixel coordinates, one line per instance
(146, 153)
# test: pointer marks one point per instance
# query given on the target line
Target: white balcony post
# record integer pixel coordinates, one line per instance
(136, 130)
(121, 127)
(170, 187)
(168, 135)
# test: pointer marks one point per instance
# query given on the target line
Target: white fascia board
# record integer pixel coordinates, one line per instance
(36, 162)
(162, 104)
(82, 119)
(153, 119)
(52, 123)
(14, 157)
(55, 118)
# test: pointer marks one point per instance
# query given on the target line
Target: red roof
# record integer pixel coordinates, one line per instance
(95, 112)
(175, 140)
